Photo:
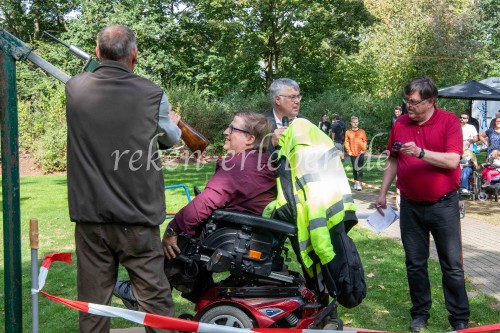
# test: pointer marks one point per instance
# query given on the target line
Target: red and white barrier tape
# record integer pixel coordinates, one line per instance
(368, 185)
(480, 329)
(176, 324)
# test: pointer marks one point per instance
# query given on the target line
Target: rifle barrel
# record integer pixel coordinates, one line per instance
(57, 39)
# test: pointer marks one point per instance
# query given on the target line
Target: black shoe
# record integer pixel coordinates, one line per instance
(418, 324)
(460, 326)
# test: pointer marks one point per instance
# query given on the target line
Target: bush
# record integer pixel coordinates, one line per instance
(211, 117)
(42, 128)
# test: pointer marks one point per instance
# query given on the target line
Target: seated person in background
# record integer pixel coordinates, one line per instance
(242, 182)
(492, 168)
(468, 163)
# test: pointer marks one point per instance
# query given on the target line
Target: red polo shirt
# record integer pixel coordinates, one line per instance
(417, 179)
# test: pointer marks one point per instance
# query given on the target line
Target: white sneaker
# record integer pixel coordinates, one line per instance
(465, 191)
(359, 187)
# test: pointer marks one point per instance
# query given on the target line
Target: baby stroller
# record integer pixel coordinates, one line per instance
(260, 290)
(492, 189)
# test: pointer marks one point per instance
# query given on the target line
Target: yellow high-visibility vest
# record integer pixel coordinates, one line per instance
(320, 191)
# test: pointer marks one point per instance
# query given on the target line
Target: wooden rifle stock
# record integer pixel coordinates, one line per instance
(193, 139)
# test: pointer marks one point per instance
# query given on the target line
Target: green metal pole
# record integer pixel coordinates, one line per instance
(10, 193)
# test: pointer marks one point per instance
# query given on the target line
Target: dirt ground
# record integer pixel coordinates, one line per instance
(27, 166)
(488, 211)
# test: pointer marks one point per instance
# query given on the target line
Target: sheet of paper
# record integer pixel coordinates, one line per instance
(379, 223)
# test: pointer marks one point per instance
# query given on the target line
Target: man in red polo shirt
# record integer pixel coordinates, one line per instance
(425, 147)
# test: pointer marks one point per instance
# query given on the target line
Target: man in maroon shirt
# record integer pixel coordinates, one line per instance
(425, 147)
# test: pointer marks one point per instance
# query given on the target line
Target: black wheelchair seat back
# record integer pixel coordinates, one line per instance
(243, 243)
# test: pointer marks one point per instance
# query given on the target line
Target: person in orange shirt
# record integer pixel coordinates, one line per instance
(355, 146)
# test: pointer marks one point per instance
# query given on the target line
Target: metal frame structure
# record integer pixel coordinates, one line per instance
(11, 50)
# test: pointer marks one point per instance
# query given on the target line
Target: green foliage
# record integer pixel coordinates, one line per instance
(212, 116)
(374, 114)
(42, 126)
(219, 46)
(435, 38)
(486, 18)
(27, 19)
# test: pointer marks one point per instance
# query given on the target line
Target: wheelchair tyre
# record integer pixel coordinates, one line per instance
(482, 196)
(461, 206)
(227, 316)
(334, 325)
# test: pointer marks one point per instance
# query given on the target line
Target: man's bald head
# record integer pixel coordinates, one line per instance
(116, 42)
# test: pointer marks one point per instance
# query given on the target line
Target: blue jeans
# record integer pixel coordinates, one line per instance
(464, 180)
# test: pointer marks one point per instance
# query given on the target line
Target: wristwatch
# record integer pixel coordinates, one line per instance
(422, 153)
(170, 232)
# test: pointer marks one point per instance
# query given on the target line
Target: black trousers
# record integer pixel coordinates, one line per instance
(357, 166)
(442, 220)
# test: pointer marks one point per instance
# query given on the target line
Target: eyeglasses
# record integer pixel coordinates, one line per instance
(232, 128)
(412, 103)
(464, 117)
(292, 97)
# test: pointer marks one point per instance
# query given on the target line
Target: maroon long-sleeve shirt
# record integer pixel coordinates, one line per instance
(244, 182)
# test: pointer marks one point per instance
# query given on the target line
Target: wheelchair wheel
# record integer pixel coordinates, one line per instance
(334, 325)
(477, 185)
(461, 206)
(227, 316)
(482, 196)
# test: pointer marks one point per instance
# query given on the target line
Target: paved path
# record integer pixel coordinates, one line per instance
(481, 246)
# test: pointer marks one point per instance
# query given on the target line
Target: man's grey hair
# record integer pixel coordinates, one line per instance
(279, 84)
(115, 42)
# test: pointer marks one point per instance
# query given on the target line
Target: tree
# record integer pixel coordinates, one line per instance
(486, 21)
(436, 38)
(252, 42)
(28, 19)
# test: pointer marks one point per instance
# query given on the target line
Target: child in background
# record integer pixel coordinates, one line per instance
(492, 169)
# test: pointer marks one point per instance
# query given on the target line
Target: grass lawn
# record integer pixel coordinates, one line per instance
(385, 308)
